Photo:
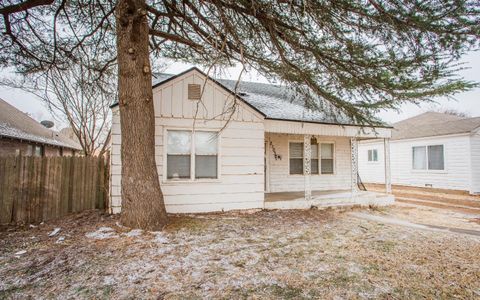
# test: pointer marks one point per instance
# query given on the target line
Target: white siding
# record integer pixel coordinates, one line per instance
(475, 162)
(279, 176)
(241, 153)
(373, 172)
(457, 163)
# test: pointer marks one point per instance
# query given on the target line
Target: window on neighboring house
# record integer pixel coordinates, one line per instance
(182, 157)
(327, 158)
(39, 151)
(428, 157)
(373, 155)
(29, 150)
(322, 158)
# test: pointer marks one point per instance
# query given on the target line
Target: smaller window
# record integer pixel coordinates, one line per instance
(29, 150)
(373, 155)
(296, 158)
(327, 158)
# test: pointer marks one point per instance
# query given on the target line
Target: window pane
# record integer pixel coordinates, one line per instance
(327, 166)
(314, 151)
(314, 167)
(179, 142)
(419, 158)
(327, 151)
(435, 157)
(205, 143)
(178, 166)
(375, 155)
(205, 166)
(296, 166)
(296, 150)
(369, 155)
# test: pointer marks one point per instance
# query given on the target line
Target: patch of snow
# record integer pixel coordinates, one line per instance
(60, 240)
(134, 233)
(102, 233)
(21, 252)
(54, 232)
(160, 238)
(109, 280)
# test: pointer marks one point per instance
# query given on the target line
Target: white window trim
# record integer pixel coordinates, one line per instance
(192, 178)
(319, 142)
(427, 170)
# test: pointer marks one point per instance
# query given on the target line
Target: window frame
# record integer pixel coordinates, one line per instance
(319, 143)
(192, 178)
(427, 170)
(368, 156)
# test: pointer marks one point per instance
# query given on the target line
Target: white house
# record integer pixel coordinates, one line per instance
(430, 150)
(261, 149)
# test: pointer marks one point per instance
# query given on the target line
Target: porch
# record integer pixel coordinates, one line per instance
(316, 165)
(297, 200)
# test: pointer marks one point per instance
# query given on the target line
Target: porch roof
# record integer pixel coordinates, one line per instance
(312, 128)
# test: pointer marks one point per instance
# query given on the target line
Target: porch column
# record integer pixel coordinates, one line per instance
(354, 161)
(388, 176)
(307, 158)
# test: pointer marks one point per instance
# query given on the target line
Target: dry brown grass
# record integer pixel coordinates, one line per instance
(265, 255)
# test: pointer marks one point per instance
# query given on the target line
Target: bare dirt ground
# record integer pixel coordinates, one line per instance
(324, 254)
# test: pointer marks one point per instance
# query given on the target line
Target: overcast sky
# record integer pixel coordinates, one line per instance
(467, 102)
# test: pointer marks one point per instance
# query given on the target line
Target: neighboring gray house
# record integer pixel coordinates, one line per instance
(429, 150)
(272, 153)
(21, 134)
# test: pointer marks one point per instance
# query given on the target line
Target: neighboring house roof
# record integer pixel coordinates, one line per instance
(273, 101)
(433, 124)
(18, 125)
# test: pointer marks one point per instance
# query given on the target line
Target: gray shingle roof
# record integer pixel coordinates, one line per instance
(18, 125)
(276, 102)
(433, 124)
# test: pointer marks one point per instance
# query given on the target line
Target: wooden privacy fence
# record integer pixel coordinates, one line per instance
(35, 189)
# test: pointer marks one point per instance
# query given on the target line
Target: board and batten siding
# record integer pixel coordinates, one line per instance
(279, 178)
(240, 183)
(457, 173)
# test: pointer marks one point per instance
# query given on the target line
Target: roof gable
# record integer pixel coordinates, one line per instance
(272, 101)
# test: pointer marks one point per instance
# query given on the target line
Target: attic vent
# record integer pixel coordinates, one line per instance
(194, 92)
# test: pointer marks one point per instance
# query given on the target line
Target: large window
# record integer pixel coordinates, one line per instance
(322, 158)
(373, 155)
(428, 157)
(182, 157)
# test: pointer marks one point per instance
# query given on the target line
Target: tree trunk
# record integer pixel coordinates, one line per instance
(142, 199)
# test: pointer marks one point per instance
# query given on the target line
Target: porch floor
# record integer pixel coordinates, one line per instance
(296, 200)
(290, 196)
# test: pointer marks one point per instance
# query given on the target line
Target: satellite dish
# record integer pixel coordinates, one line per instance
(48, 124)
